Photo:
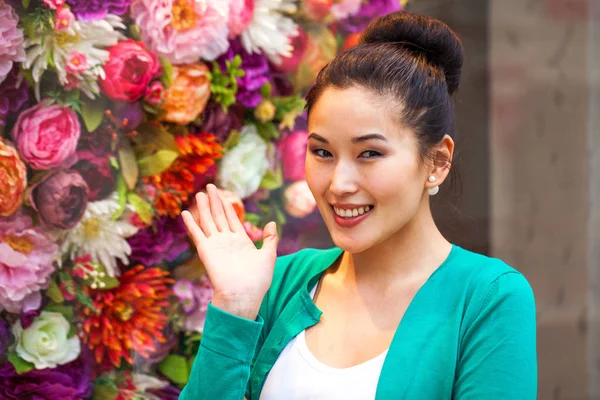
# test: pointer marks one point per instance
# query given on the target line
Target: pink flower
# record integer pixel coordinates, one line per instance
(13, 175)
(11, 40)
(155, 93)
(299, 201)
(292, 151)
(129, 71)
(299, 43)
(64, 19)
(254, 232)
(77, 62)
(194, 298)
(54, 4)
(46, 136)
(345, 8)
(184, 31)
(316, 10)
(240, 16)
(26, 261)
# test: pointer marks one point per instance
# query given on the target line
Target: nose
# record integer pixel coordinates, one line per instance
(343, 180)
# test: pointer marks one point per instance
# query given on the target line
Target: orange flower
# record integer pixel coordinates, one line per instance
(129, 317)
(13, 175)
(187, 96)
(179, 182)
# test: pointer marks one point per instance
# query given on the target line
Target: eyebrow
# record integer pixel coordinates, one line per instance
(356, 139)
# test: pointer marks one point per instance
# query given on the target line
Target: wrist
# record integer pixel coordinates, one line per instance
(238, 306)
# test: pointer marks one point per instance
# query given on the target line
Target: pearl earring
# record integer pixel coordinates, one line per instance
(434, 190)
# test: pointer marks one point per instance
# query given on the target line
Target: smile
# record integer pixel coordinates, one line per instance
(350, 217)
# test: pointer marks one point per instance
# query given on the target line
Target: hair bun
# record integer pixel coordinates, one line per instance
(422, 35)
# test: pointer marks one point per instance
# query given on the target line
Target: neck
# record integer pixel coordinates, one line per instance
(413, 253)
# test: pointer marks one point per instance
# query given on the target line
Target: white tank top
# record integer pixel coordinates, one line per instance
(298, 375)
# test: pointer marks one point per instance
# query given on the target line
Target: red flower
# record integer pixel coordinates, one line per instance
(130, 317)
(129, 71)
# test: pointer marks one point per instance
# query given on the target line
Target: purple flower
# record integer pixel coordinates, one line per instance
(167, 393)
(369, 11)
(97, 172)
(4, 338)
(221, 123)
(13, 94)
(91, 10)
(195, 298)
(133, 112)
(66, 382)
(257, 73)
(61, 198)
(164, 241)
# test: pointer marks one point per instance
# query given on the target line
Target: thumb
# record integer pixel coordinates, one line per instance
(270, 238)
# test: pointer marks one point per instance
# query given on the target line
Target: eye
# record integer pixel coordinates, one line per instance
(370, 154)
(322, 153)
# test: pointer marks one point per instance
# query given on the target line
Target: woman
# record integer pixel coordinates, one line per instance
(395, 311)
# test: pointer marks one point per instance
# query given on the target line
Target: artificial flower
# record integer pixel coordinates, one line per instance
(14, 94)
(70, 381)
(46, 135)
(316, 10)
(243, 167)
(221, 122)
(13, 175)
(187, 175)
(27, 255)
(97, 172)
(63, 20)
(99, 235)
(270, 29)
(292, 152)
(344, 8)
(369, 10)
(165, 240)
(290, 62)
(240, 16)
(184, 31)
(194, 298)
(46, 343)
(53, 4)
(155, 93)
(254, 232)
(11, 40)
(88, 38)
(265, 111)
(129, 70)
(60, 198)
(91, 10)
(129, 317)
(186, 98)
(299, 201)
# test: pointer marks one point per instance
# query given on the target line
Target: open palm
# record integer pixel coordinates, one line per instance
(240, 273)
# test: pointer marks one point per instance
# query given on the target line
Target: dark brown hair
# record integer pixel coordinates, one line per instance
(413, 59)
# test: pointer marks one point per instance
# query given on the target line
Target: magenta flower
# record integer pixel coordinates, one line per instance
(91, 10)
(165, 241)
(11, 40)
(97, 172)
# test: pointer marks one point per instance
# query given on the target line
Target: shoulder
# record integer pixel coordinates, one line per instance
(488, 280)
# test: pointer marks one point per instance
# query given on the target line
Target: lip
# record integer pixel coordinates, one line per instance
(349, 222)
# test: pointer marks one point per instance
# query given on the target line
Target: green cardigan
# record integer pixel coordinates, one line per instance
(469, 333)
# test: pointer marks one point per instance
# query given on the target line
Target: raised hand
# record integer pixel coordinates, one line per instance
(240, 273)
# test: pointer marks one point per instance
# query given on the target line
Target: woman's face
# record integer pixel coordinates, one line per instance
(363, 168)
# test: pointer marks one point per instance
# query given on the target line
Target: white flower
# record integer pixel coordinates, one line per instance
(46, 343)
(270, 30)
(243, 167)
(56, 48)
(101, 237)
(299, 201)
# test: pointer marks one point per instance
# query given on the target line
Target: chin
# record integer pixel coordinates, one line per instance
(352, 245)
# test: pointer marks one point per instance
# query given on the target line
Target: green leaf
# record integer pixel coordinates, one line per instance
(134, 32)
(53, 292)
(265, 90)
(157, 163)
(144, 210)
(20, 365)
(167, 76)
(102, 280)
(25, 3)
(129, 165)
(232, 140)
(253, 218)
(272, 179)
(115, 164)
(175, 367)
(151, 138)
(65, 310)
(268, 131)
(122, 197)
(92, 112)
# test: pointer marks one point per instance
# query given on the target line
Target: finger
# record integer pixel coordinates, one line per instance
(192, 227)
(270, 237)
(206, 220)
(216, 208)
(193, 209)
(232, 218)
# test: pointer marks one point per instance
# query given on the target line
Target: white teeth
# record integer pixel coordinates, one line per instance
(355, 212)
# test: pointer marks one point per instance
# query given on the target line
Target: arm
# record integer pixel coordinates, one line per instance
(222, 366)
(498, 349)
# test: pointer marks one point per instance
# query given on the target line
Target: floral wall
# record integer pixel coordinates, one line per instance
(113, 113)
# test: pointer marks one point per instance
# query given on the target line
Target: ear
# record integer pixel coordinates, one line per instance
(442, 154)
